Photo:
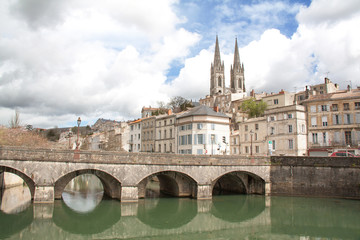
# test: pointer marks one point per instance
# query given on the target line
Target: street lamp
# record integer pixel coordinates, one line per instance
(77, 140)
(251, 135)
(212, 144)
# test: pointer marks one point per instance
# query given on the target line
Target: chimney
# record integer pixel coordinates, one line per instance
(327, 80)
(216, 109)
(252, 93)
(348, 88)
(169, 112)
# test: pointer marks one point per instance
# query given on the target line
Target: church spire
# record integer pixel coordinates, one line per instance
(217, 59)
(237, 78)
(237, 64)
(217, 76)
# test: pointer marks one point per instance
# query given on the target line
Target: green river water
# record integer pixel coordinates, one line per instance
(85, 215)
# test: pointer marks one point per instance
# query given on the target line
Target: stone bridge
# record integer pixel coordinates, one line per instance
(125, 175)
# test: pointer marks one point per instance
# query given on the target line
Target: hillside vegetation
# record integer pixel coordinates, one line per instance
(22, 137)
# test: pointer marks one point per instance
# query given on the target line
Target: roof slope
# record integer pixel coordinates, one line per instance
(202, 110)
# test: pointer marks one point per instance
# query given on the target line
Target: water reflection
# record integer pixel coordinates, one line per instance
(83, 193)
(167, 213)
(98, 220)
(237, 208)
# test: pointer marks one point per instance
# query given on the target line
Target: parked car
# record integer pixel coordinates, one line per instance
(342, 154)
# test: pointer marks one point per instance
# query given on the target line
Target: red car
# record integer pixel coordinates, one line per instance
(342, 154)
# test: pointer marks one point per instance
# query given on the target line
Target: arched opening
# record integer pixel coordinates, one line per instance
(168, 183)
(238, 183)
(219, 81)
(16, 190)
(84, 184)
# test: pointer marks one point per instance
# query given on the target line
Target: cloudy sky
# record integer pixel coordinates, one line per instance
(106, 59)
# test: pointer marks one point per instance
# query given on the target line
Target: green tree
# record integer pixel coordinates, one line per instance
(179, 103)
(253, 108)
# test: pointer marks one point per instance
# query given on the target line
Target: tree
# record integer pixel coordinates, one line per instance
(15, 120)
(253, 108)
(179, 103)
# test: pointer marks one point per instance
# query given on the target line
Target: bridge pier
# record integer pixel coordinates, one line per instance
(267, 188)
(129, 194)
(44, 194)
(204, 191)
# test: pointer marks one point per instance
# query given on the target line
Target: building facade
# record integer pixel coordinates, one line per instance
(202, 130)
(165, 133)
(333, 122)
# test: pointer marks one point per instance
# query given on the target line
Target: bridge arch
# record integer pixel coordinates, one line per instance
(27, 179)
(238, 182)
(172, 183)
(112, 186)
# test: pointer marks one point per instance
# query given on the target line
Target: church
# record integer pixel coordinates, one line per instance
(221, 96)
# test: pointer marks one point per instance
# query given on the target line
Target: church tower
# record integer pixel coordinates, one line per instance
(237, 77)
(217, 76)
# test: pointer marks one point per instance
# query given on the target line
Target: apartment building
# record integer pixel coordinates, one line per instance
(333, 122)
(165, 133)
(135, 136)
(148, 134)
(202, 130)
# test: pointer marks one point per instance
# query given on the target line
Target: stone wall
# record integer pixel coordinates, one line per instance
(315, 176)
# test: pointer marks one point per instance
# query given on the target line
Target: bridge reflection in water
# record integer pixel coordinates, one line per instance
(225, 217)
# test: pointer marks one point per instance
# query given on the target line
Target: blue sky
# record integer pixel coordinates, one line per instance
(107, 59)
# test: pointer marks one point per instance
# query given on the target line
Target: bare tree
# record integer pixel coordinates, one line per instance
(15, 120)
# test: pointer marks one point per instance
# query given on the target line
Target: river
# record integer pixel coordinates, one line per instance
(84, 214)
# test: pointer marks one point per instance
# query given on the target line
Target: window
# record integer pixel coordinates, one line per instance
(199, 126)
(315, 138)
(139, 136)
(336, 119)
(189, 127)
(272, 118)
(159, 147)
(246, 149)
(257, 149)
(132, 128)
(291, 144)
(334, 107)
(199, 151)
(246, 127)
(324, 108)
(164, 147)
(346, 106)
(276, 101)
(347, 119)
(324, 138)
(255, 136)
(348, 137)
(313, 108)
(290, 115)
(290, 129)
(170, 147)
(164, 122)
(272, 130)
(200, 139)
(212, 126)
(219, 81)
(182, 128)
(164, 133)
(256, 126)
(357, 105)
(313, 122)
(159, 134)
(170, 133)
(273, 144)
(246, 137)
(324, 121)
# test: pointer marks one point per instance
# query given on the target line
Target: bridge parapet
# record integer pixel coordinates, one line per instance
(50, 155)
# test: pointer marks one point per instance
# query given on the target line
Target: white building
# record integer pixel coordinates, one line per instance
(202, 130)
(135, 136)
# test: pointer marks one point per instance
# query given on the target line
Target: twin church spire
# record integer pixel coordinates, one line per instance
(217, 76)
